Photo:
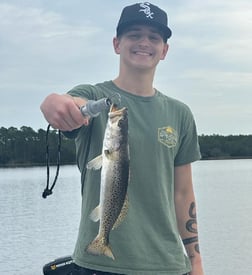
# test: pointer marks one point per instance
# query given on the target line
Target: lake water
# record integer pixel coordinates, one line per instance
(35, 231)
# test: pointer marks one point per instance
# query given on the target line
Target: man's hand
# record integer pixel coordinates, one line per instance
(63, 111)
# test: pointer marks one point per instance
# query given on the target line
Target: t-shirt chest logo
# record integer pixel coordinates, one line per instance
(168, 136)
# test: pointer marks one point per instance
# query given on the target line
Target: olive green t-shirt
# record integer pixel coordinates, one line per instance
(162, 135)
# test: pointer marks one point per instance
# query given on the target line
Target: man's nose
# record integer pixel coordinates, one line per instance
(144, 40)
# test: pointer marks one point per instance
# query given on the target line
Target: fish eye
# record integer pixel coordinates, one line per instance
(121, 121)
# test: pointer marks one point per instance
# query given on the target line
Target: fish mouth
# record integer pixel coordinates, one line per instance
(115, 111)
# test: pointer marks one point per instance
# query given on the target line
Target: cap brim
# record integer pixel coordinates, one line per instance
(163, 29)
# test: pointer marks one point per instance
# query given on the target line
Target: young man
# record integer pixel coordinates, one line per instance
(161, 220)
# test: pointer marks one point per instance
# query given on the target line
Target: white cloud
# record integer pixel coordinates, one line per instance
(218, 29)
(37, 44)
(38, 22)
(38, 31)
(221, 78)
(45, 47)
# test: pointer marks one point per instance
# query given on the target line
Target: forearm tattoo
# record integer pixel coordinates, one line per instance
(191, 226)
(193, 219)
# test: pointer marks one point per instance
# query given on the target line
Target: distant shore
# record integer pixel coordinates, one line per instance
(24, 165)
(25, 147)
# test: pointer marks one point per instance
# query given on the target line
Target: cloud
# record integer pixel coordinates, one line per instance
(51, 46)
(217, 29)
(41, 30)
(41, 47)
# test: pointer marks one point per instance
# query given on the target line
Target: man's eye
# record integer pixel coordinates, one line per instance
(154, 37)
(134, 35)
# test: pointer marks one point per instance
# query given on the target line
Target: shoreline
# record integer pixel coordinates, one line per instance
(27, 165)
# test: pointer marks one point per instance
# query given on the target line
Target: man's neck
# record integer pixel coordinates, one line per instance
(138, 84)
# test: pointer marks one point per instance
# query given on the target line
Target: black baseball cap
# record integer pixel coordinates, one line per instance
(144, 13)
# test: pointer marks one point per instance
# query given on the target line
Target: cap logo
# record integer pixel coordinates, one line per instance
(146, 9)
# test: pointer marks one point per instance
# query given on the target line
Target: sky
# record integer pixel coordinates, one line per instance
(51, 46)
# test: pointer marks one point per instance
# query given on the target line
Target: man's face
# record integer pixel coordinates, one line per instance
(141, 46)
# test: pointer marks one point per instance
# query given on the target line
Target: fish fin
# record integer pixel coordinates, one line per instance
(123, 213)
(95, 163)
(96, 214)
(100, 247)
(110, 154)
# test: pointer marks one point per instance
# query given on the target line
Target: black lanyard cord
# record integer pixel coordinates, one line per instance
(48, 191)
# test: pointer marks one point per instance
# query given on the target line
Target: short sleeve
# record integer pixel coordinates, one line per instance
(189, 150)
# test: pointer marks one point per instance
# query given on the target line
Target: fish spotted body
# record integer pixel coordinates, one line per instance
(114, 164)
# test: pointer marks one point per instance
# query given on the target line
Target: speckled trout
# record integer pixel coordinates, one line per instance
(114, 164)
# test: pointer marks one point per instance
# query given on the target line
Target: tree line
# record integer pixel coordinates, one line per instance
(26, 146)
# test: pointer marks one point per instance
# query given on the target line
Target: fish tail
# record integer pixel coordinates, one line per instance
(100, 247)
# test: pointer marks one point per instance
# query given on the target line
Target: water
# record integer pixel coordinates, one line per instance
(35, 231)
(224, 190)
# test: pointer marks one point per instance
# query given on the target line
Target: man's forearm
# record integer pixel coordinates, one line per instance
(189, 234)
(186, 216)
(187, 224)
(190, 237)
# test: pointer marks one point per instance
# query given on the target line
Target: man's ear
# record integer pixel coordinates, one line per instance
(165, 50)
(116, 44)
